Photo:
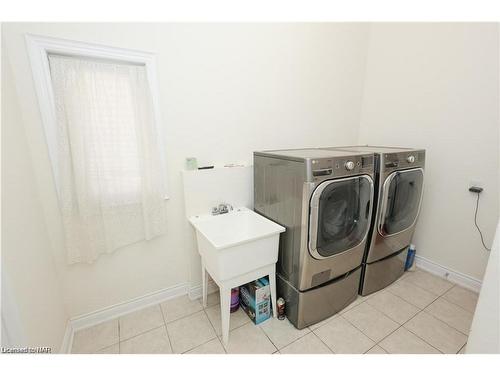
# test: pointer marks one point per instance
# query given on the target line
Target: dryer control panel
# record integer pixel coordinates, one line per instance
(403, 160)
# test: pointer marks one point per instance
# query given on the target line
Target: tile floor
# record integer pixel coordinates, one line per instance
(420, 313)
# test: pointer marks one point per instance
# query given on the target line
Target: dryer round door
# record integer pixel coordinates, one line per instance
(340, 213)
(401, 198)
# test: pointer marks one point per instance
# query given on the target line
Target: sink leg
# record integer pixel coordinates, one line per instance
(204, 278)
(272, 284)
(225, 309)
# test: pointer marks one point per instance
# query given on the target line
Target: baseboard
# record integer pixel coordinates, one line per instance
(456, 277)
(120, 309)
(67, 342)
(195, 292)
(100, 316)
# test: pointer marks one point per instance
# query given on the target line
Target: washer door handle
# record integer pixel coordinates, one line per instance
(367, 209)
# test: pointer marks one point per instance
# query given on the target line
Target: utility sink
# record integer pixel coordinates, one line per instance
(237, 242)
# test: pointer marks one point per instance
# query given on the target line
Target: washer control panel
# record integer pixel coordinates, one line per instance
(344, 166)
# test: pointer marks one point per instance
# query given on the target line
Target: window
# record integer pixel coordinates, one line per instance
(98, 105)
(102, 127)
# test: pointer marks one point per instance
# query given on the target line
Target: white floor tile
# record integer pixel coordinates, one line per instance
(249, 339)
(412, 293)
(343, 338)
(140, 321)
(180, 307)
(451, 314)
(212, 347)
(462, 297)
(308, 344)
(314, 326)
(213, 299)
(437, 333)
(152, 342)
(376, 350)
(429, 282)
(393, 306)
(113, 349)
(93, 339)
(403, 341)
(190, 332)
(282, 332)
(370, 321)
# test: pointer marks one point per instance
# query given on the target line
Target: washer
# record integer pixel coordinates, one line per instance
(399, 179)
(324, 198)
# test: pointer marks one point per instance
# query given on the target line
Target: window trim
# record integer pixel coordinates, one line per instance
(39, 47)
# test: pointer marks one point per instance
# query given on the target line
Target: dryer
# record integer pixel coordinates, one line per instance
(324, 198)
(399, 179)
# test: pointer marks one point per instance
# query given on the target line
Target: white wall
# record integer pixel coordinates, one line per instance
(435, 86)
(33, 308)
(226, 90)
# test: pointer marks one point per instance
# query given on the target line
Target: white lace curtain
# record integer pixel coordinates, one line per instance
(111, 179)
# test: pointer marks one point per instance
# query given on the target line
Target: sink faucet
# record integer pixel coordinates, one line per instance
(223, 208)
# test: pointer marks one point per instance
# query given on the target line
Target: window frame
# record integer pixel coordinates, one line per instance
(39, 47)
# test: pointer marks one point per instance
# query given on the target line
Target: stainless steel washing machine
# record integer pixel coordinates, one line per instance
(399, 179)
(324, 198)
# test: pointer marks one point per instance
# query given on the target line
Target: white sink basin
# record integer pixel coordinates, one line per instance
(236, 243)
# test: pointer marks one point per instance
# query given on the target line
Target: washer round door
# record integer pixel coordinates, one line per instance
(401, 198)
(340, 213)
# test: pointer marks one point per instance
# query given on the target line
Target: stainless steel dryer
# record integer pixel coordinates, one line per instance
(324, 199)
(399, 178)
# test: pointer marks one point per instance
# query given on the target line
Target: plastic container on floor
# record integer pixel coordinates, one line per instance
(235, 299)
(410, 258)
